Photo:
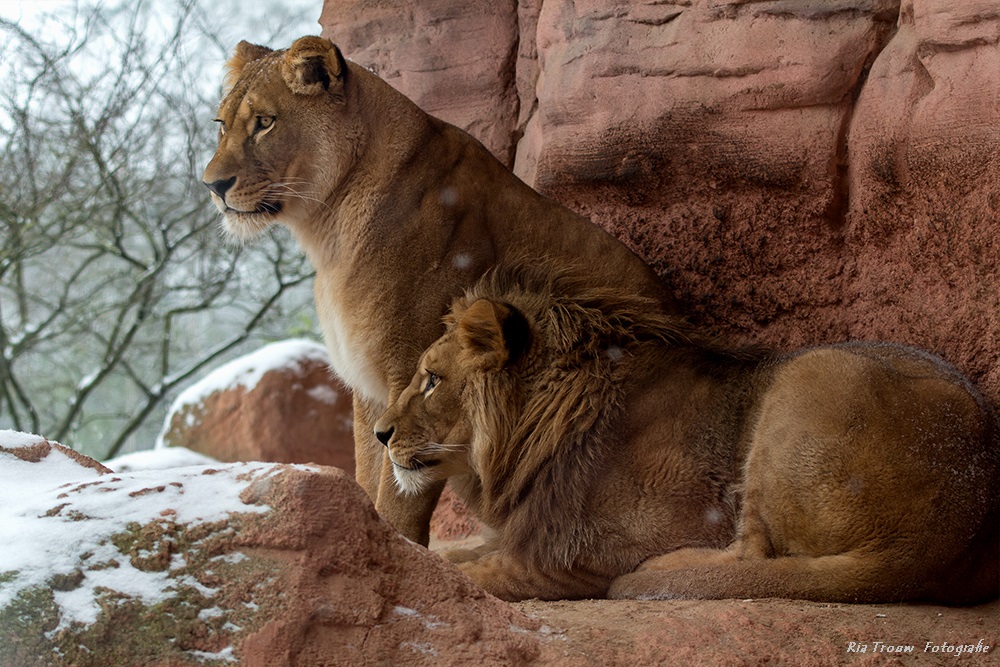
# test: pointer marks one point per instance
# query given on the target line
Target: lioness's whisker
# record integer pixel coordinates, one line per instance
(287, 188)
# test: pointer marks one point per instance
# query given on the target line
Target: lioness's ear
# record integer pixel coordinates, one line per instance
(245, 53)
(495, 334)
(313, 65)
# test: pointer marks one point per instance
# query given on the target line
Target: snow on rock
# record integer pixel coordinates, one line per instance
(228, 563)
(33, 448)
(63, 520)
(280, 404)
(16, 439)
(247, 371)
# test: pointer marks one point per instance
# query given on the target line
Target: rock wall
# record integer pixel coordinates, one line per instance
(797, 171)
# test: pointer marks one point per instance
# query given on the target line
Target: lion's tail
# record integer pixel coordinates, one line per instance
(850, 577)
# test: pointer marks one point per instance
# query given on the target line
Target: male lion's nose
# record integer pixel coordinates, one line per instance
(385, 436)
(221, 187)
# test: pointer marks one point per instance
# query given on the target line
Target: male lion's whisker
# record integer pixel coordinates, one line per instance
(442, 448)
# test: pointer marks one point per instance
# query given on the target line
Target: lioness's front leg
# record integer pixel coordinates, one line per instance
(410, 514)
(510, 579)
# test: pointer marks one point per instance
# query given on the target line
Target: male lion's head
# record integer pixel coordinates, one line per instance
(285, 139)
(429, 429)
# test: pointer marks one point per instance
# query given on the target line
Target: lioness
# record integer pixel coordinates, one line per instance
(595, 434)
(396, 210)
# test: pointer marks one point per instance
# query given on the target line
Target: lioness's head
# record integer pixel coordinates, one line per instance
(429, 429)
(285, 135)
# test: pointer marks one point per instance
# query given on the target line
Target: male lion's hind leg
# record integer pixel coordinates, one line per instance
(839, 578)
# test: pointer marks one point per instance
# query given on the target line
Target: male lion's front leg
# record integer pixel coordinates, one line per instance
(409, 514)
(510, 579)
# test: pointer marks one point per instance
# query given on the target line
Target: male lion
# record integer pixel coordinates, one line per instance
(396, 210)
(591, 433)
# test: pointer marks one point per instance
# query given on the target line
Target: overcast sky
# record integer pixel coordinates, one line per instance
(59, 23)
(275, 22)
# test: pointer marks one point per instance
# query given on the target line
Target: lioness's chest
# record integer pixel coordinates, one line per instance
(350, 336)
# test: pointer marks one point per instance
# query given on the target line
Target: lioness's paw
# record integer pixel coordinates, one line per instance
(639, 586)
(459, 555)
(685, 558)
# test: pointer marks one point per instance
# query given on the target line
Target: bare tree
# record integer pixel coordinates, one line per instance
(115, 288)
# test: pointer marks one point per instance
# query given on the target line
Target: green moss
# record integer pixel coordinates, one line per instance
(149, 547)
(130, 632)
(23, 624)
(67, 581)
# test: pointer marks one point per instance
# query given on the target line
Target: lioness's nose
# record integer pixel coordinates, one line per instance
(221, 187)
(385, 436)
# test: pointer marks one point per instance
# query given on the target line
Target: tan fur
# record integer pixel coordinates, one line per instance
(398, 212)
(592, 433)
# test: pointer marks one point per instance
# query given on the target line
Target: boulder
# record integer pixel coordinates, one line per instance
(261, 564)
(799, 172)
(279, 404)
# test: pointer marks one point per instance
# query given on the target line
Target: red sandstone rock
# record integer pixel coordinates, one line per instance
(767, 632)
(264, 564)
(279, 404)
(924, 221)
(452, 520)
(798, 172)
(416, 48)
(34, 449)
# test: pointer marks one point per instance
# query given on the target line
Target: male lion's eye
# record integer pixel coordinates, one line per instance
(432, 381)
(263, 123)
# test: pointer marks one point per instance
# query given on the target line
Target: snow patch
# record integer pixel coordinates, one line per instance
(225, 654)
(420, 647)
(213, 612)
(17, 439)
(430, 621)
(159, 459)
(232, 558)
(57, 520)
(323, 394)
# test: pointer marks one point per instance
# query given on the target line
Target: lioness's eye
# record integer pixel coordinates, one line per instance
(263, 122)
(432, 381)
(222, 126)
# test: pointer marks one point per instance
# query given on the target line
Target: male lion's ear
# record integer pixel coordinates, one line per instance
(495, 334)
(313, 65)
(245, 53)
